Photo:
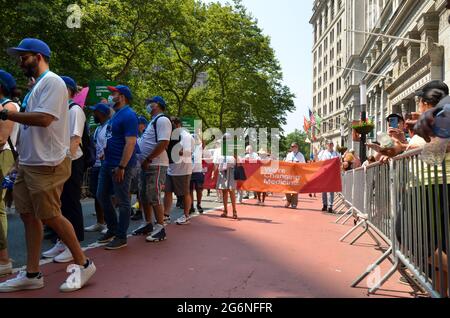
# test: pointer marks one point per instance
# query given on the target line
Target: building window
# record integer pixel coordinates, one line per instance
(324, 126)
(325, 110)
(314, 102)
(325, 77)
(331, 124)
(331, 89)
(331, 107)
(320, 98)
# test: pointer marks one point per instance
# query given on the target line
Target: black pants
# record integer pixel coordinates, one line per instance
(70, 198)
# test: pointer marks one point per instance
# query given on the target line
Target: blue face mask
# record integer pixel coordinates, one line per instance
(112, 101)
(149, 109)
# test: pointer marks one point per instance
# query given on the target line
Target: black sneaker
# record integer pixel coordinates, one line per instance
(143, 230)
(116, 244)
(157, 237)
(199, 209)
(106, 238)
(137, 216)
(324, 209)
(192, 210)
(330, 210)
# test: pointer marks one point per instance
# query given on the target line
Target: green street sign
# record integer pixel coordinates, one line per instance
(98, 90)
(188, 124)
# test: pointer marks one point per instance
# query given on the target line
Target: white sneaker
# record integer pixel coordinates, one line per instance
(6, 269)
(97, 227)
(104, 231)
(78, 278)
(22, 282)
(183, 220)
(166, 220)
(55, 250)
(64, 257)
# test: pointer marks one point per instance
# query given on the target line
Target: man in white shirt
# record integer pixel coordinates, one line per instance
(71, 195)
(294, 156)
(43, 168)
(327, 154)
(154, 162)
(178, 178)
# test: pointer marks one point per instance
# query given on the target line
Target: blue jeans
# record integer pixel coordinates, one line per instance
(108, 187)
(328, 200)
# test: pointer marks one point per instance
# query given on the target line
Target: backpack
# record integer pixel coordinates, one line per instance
(11, 146)
(172, 143)
(87, 145)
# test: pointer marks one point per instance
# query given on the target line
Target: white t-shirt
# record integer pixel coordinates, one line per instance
(147, 143)
(199, 155)
(183, 164)
(100, 143)
(252, 156)
(39, 146)
(416, 142)
(77, 120)
(298, 157)
(327, 155)
(14, 133)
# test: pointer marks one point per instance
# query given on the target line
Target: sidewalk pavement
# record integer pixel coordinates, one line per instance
(270, 251)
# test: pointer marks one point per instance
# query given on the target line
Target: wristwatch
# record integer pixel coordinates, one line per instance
(4, 114)
(122, 167)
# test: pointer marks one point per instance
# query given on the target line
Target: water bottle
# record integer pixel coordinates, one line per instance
(441, 127)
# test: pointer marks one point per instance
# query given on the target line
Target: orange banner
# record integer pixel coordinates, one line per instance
(286, 177)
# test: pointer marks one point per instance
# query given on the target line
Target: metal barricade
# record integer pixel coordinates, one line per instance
(414, 217)
(347, 192)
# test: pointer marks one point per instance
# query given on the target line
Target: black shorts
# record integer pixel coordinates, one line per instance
(197, 181)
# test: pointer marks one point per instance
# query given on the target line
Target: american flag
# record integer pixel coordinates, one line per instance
(312, 118)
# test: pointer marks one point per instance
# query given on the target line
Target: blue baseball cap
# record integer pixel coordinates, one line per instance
(103, 108)
(143, 120)
(70, 83)
(122, 89)
(7, 81)
(158, 100)
(30, 45)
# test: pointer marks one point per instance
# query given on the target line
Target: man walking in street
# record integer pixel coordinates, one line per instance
(294, 156)
(43, 167)
(119, 167)
(327, 154)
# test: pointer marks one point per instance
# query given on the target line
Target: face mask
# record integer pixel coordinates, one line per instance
(149, 109)
(112, 101)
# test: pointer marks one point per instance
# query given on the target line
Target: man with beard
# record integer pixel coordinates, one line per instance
(43, 167)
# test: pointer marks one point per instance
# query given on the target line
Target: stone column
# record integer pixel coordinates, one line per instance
(382, 105)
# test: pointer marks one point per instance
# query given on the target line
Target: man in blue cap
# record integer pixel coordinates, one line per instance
(119, 167)
(102, 113)
(154, 163)
(43, 167)
(71, 195)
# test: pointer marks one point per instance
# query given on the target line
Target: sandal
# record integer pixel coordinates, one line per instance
(235, 216)
(224, 214)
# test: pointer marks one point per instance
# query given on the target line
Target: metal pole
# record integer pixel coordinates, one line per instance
(363, 93)
(392, 37)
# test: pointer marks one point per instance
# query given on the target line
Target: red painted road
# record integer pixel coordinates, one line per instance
(270, 252)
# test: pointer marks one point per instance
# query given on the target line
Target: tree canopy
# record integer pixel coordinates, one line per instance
(209, 61)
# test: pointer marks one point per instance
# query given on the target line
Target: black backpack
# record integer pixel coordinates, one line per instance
(172, 143)
(87, 145)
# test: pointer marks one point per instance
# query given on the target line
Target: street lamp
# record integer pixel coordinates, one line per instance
(363, 102)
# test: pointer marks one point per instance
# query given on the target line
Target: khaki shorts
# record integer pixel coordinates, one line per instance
(180, 185)
(38, 189)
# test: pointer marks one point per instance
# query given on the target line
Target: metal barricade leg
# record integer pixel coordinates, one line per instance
(352, 230)
(348, 218)
(372, 267)
(345, 214)
(385, 278)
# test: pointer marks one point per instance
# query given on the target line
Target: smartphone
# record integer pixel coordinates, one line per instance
(393, 122)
